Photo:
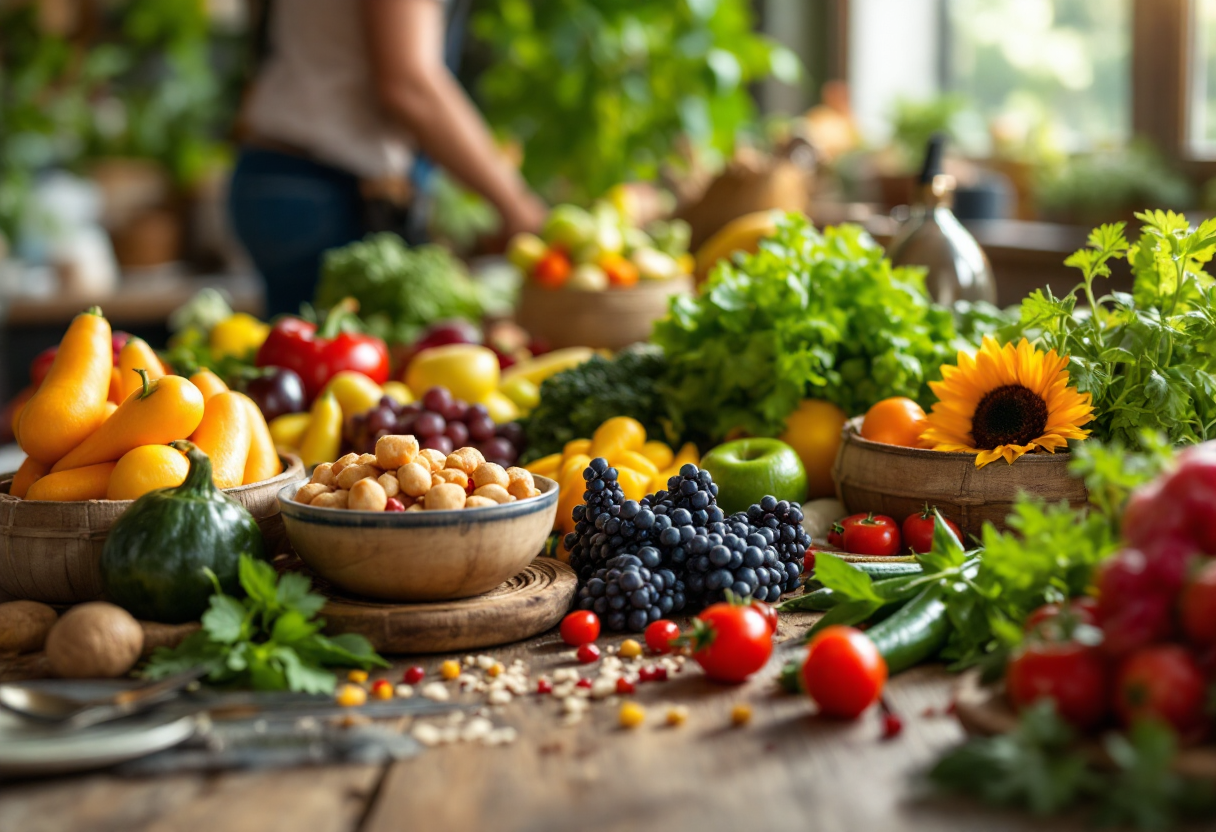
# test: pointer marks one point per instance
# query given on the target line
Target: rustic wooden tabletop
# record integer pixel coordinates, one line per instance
(786, 769)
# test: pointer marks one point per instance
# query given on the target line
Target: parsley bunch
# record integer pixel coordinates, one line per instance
(1148, 358)
(271, 640)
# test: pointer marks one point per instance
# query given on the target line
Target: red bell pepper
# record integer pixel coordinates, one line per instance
(317, 355)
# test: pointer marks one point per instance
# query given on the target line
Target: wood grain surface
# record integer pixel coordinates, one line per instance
(788, 769)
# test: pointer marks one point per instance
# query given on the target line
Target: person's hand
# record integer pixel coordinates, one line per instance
(524, 213)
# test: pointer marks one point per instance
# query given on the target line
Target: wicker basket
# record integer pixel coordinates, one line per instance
(610, 320)
(51, 552)
(896, 481)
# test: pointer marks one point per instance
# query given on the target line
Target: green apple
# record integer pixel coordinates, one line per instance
(746, 470)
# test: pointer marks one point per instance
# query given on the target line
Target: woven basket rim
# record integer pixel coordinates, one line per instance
(851, 433)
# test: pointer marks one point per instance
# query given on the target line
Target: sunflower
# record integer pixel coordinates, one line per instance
(1004, 402)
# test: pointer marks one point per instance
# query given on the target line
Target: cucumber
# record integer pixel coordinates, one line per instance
(878, 571)
(894, 590)
(914, 633)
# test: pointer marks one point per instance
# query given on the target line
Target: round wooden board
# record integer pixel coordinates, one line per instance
(984, 710)
(530, 603)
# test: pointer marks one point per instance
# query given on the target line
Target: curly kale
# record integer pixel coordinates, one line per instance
(575, 402)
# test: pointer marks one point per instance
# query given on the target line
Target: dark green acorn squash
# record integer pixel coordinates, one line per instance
(155, 559)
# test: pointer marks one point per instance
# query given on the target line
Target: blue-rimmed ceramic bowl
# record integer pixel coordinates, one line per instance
(420, 555)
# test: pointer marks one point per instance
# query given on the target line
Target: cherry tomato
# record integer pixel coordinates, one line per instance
(731, 642)
(836, 534)
(895, 421)
(660, 634)
(1069, 615)
(587, 654)
(808, 562)
(872, 535)
(769, 612)
(1192, 487)
(1071, 674)
(844, 672)
(552, 270)
(1133, 611)
(918, 531)
(580, 627)
(1198, 606)
(1161, 681)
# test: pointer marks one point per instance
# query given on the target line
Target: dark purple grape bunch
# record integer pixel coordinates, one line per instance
(439, 421)
(781, 521)
(632, 591)
(597, 520)
(733, 555)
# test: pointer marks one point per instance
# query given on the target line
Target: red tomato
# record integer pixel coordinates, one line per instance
(552, 270)
(836, 534)
(875, 534)
(580, 627)
(731, 642)
(660, 634)
(1161, 681)
(1192, 487)
(843, 672)
(769, 612)
(808, 562)
(1076, 611)
(1132, 611)
(1198, 606)
(918, 531)
(1071, 674)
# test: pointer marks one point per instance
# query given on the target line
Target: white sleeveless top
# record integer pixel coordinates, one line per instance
(316, 91)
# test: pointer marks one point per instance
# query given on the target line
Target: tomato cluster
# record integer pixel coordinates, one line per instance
(1147, 647)
(876, 534)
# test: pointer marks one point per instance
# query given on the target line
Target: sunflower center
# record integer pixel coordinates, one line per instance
(1009, 415)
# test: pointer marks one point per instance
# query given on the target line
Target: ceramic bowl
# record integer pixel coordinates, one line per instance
(420, 555)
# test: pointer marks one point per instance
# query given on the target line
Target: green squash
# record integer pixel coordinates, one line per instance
(155, 559)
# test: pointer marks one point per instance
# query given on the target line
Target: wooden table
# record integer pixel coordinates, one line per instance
(787, 769)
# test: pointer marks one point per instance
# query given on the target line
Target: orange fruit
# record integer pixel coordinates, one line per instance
(813, 430)
(895, 421)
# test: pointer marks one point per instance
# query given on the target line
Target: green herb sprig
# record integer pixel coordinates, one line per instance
(270, 640)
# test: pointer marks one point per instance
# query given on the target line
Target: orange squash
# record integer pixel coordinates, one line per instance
(137, 355)
(88, 483)
(166, 409)
(263, 461)
(225, 435)
(209, 383)
(29, 473)
(70, 404)
(145, 469)
(111, 409)
(115, 386)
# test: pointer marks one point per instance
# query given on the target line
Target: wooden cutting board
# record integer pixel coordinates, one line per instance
(530, 603)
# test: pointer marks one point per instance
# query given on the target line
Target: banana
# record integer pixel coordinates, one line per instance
(740, 234)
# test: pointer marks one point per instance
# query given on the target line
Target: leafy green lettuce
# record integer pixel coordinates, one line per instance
(823, 315)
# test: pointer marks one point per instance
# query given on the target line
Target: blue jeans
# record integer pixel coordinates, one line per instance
(287, 211)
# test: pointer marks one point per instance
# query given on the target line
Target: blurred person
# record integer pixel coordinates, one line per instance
(346, 95)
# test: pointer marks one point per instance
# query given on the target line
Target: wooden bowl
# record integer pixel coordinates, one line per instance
(51, 552)
(420, 555)
(897, 481)
(612, 319)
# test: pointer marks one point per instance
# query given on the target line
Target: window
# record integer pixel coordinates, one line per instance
(1203, 79)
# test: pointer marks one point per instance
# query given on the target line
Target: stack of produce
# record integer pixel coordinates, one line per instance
(96, 431)
(596, 250)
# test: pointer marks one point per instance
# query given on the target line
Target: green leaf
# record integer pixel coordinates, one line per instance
(847, 614)
(258, 580)
(291, 627)
(294, 593)
(302, 676)
(224, 620)
(838, 576)
(345, 650)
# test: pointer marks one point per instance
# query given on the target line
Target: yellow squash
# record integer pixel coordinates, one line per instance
(263, 460)
(145, 469)
(209, 384)
(324, 435)
(161, 411)
(224, 435)
(136, 355)
(71, 402)
(288, 430)
(29, 473)
(88, 483)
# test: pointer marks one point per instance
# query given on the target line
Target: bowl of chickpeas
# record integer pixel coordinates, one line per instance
(412, 524)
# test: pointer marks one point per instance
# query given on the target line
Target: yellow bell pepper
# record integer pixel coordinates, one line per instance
(355, 392)
(288, 430)
(575, 462)
(575, 447)
(659, 453)
(688, 454)
(635, 484)
(619, 432)
(323, 438)
(237, 335)
(635, 461)
(546, 466)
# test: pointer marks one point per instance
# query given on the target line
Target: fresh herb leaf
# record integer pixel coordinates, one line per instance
(836, 575)
(269, 641)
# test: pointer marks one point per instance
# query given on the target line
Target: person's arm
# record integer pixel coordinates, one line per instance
(405, 40)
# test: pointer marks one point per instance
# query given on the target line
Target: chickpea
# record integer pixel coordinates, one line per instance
(474, 501)
(433, 458)
(445, 495)
(521, 485)
(353, 473)
(367, 495)
(414, 479)
(414, 507)
(332, 499)
(489, 473)
(342, 462)
(324, 474)
(465, 459)
(310, 492)
(388, 481)
(494, 492)
(394, 451)
(452, 475)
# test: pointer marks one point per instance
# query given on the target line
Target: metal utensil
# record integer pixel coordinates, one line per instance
(45, 706)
